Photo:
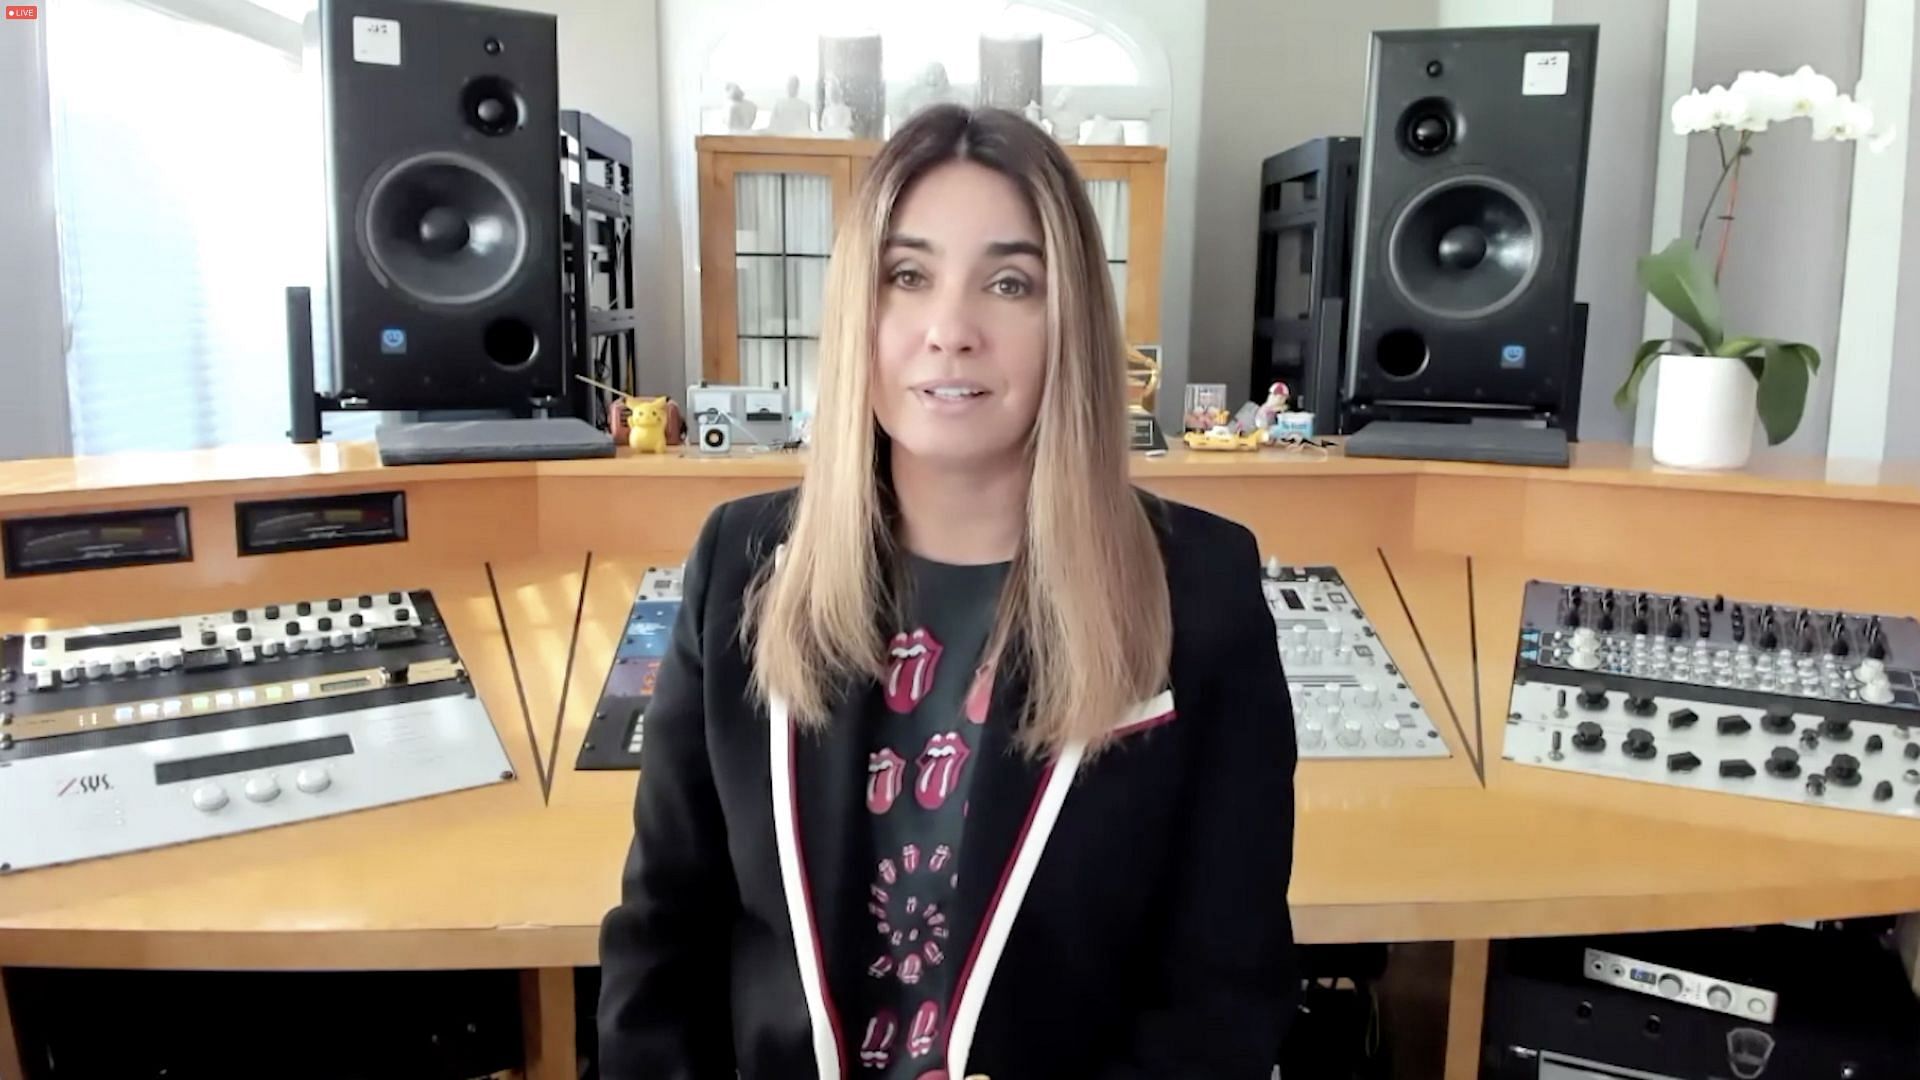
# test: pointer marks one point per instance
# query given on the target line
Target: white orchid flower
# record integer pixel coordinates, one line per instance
(1842, 119)
(1690, 114)
(1808, 91)
(1769, 99)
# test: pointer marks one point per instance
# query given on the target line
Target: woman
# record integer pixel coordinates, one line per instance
(967, 757)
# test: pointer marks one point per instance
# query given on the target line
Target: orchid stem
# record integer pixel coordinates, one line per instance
(1726, 167)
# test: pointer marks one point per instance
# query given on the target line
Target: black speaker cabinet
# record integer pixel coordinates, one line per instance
(443, 180)
(1302, 274)
(1471, 180)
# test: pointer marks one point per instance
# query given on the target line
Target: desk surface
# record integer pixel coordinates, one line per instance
(50, 481)
(520, 874)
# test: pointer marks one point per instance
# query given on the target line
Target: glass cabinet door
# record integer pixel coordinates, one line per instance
(783, 224)
(1112, 204)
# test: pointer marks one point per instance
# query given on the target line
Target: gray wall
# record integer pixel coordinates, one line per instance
(1786, 266)
(1627, 117)
(1276, 75)
(1903, 433)
(33, 406)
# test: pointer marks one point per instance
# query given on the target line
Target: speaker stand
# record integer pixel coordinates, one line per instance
(305, 407)
(1492, 441)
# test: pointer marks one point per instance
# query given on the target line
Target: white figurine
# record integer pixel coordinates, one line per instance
(791, 116)
(741, 113)
(931, 89)
(836, 118)
(1101, 131)
(1064, 117)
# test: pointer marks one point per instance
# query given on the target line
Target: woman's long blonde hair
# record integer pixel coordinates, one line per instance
(1084, 614)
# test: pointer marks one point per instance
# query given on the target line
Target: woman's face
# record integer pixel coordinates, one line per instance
(960, 352)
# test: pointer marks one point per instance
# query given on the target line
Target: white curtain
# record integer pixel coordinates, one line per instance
(1112, 205)
(188, 171)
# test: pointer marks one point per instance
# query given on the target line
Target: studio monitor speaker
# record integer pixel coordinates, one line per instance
(444, 200)
(1468, 232)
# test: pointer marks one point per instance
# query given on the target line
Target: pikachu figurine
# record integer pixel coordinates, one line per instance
(647, 424)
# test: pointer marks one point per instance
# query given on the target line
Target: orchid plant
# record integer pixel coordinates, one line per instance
(1688, 286)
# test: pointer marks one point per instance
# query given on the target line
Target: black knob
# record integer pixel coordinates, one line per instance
(293, 629)
(1589, 736)
(1883, 791)
(1736, 769)
(239, 614)
(209, 638)
(245, 633)
(1778, 721)
(1844, 770)
(1785, 762)
(1810, 738)
(1682, 718)
(1836, 729)
(303, 608)
(325, 624)
(1639, 744)
(272, 612)
(1839, 648)
(1593, 696)
(1682, 762)
(1768, 639)
(1912, 751)
(1734, 725)
(1720, 603)
(1675, 628)
(366, 602)
(1816, 785)
(402, 615)
(393, 598)
(1642, 704)
(334, 604)
(356, 621)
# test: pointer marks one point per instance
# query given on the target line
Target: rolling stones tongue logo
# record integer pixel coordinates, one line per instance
(876, 1046)
(926, 1027)
(980, 694)
(915, 656)
(940, 766)
(886, 772)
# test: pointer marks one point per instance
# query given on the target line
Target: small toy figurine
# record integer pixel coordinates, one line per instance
(1276, 404)
(647, 424)
(1222, 438)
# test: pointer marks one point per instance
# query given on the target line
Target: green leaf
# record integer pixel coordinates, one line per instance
(1739, 346)
(1783, 388)
(1682, 282)
(1643, 358)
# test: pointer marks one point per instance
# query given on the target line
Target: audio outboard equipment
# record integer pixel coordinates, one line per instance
(445, 206)
(615, 734)
(1793, 704)
(1349, 699)
(1304, 268)
(1756, 1004)
(144, 734)
(1472, 176)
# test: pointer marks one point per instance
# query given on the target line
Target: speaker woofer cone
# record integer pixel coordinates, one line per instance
(444, 229)
(1465, 248)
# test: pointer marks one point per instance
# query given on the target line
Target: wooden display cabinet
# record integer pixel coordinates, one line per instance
(768, 208)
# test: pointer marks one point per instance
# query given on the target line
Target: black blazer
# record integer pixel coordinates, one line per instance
(1129, 918)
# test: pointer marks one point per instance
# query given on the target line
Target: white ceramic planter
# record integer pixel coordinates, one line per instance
(1703, 412)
